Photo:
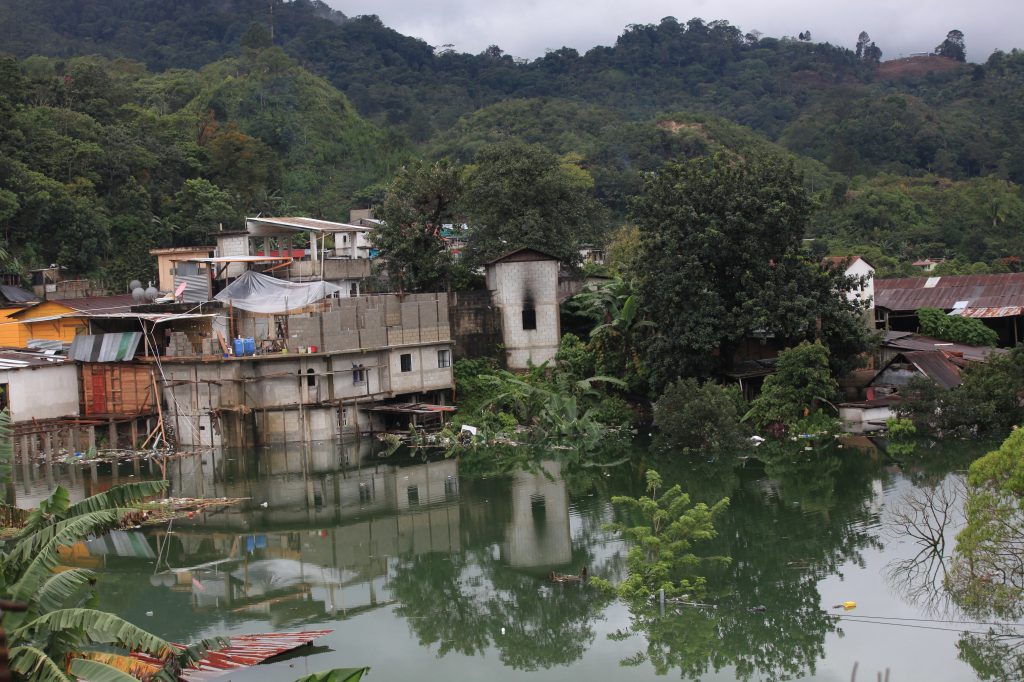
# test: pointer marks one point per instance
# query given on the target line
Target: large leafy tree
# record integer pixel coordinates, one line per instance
(420, 199)
(523, 195)
(953, 46)
(722, 261)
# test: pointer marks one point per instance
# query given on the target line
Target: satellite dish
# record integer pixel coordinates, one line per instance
(152, 293)
(138, 294)
(134, 284)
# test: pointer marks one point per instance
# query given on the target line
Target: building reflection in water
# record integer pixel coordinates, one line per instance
(318, 538)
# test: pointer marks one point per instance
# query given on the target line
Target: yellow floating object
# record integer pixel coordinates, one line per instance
(849, 605)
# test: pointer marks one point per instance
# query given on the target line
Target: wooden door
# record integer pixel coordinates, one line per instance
(99, 392)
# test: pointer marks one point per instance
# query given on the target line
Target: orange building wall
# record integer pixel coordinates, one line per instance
(63, 329)
(12, 333)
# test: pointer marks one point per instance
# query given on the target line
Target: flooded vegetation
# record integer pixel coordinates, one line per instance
(445, 565)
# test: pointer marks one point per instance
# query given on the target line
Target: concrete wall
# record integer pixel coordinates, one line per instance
(475, 324)
(42, 392)
(516, 286)
(538, 534)
(233, 245)
(425, 375)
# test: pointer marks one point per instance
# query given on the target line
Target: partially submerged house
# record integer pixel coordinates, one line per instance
(524, 287)
(864, 292)
(996, 300)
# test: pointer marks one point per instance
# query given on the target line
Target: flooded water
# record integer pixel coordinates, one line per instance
(437, 569)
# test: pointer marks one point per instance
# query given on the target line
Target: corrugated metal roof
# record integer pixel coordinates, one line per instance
(17, 359)
(14, 294)
(979, 291)
(100, 304)
(306, 224)
(934, 364)
(1005, 311)
(116, 347)
(911, 342)
(242, 651)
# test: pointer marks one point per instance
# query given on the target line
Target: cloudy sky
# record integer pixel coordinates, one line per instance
(526, 28)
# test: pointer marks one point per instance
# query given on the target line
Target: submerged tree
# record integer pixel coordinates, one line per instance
(800, 382)
(661, 556)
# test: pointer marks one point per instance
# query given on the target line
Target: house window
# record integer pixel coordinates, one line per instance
(358, 374)
(310, 377)
(406, 360)
(413, 493)
(444, 358)
(344, 416)
(529, 318)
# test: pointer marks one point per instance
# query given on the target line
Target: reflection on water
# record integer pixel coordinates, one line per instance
(449, 568)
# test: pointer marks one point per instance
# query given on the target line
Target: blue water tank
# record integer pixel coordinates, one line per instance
(239, 347)
(250, 346)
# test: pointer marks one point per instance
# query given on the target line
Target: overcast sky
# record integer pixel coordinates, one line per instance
(526, 28)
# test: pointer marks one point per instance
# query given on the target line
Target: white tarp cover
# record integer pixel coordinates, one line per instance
(260, 293)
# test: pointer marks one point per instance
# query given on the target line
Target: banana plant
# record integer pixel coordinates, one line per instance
(57, 637)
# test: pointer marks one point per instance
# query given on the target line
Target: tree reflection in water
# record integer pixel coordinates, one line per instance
(795, 517)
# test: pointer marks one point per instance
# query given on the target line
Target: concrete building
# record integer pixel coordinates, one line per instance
(37, 386)
(319, 374)
(524, 287)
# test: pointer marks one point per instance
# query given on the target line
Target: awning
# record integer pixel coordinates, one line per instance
(116, 347)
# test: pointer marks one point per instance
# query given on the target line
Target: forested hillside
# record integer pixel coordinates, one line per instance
(198, 112)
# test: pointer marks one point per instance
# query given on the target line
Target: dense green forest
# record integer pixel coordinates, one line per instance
(129, 125)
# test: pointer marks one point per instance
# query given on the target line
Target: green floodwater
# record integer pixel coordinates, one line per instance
(436, 569)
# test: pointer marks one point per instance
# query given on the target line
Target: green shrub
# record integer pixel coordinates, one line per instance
(692, 416)
(937, 324)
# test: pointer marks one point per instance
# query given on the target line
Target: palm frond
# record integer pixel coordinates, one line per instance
(57, 589)
(336, 675)
(48, 512)
(44, 556)
(124, 495)
(94, 671)
(100, 628)
(33, 664)
(6, 447)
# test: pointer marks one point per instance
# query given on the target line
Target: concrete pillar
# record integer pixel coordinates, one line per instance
(135, 433)
(91, 433)
(112, 439)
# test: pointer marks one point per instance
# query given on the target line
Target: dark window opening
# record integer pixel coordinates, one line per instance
(529, 318)
(413, 492)
(358, 375)
(444, 358)
(406, 361)
(310, 377)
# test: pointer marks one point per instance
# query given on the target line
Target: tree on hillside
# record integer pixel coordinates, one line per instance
(952, 47)
(420, 199)
(521, 195)
(722, 261)
(863, 40)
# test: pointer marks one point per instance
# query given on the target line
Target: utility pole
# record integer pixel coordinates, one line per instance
(271, 6)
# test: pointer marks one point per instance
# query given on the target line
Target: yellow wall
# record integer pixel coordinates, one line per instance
(12, 333)
(63, 329)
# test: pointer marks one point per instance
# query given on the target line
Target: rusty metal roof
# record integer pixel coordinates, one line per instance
(1005, 311)
(242, 651)
(934, 364)
(910, 341)
(972, 291)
